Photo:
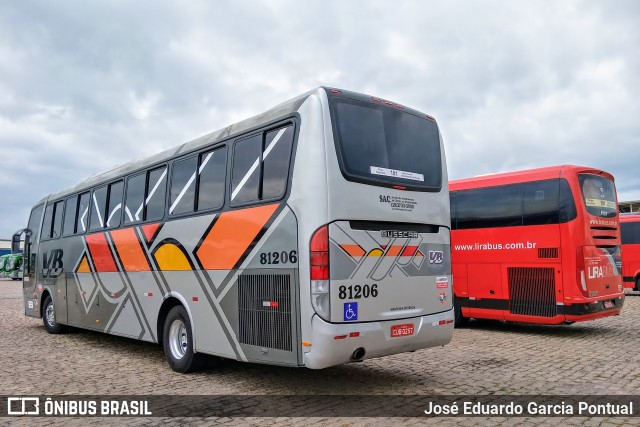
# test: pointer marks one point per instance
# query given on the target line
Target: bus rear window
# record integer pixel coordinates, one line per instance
(383, 145)
(599, 195)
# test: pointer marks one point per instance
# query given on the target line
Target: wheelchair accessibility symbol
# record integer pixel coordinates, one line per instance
(350, 311)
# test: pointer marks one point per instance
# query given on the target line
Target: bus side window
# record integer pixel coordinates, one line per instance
(541, 202)
(630, 233)
(499, 206)
(183, 186)
(34, 223)
(48, 220)
(566, 205)
(211, 180)
(277, 155)
(145, 196)
(453, 201)
(245, 177)
(34, 227)
(156, 194)
(70, 212)
(57, 219)
(134, 198)
(114, 212)
(83, 213)
(261, 166)
(98, 207)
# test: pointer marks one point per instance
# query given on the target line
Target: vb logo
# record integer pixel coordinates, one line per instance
(52, 263)
(436, 257)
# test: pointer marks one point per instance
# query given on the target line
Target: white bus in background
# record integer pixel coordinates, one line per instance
(314, 234)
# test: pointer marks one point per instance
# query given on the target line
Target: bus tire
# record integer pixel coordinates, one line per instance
(637, 284)
(178, 342)
(460, 320)
(49, 317)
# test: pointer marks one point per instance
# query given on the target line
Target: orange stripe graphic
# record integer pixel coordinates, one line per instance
(84, 266)
(100, 253)
(170, 258)
(231, 235)
(354, 251)
(393, 250)
(129, 250)
(409, 251)
(150, 230)
(375, 252)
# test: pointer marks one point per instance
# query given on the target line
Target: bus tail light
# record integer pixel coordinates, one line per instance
(582, 280)
(319, 253)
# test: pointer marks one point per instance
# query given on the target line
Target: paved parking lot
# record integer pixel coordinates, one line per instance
(598, 357)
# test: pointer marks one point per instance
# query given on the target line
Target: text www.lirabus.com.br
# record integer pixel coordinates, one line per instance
(495, 246)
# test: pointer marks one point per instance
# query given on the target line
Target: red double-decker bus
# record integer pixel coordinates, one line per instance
(536, 246)
(630, 233)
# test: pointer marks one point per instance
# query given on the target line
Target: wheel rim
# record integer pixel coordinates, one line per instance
(178, 340)
(50, 315)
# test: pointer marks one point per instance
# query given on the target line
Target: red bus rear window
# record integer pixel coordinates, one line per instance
(599, 195)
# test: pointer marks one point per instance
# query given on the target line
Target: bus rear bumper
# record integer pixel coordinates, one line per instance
(594, 310)
(335, 344)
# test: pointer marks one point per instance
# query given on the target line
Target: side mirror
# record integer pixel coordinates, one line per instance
(15, 242)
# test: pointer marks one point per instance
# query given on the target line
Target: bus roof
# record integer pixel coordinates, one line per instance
(272, 114)
(522, 176)
(279, 111)
(630, 217)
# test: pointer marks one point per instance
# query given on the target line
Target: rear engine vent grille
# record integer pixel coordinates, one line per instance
(532, 291)
(604, 228)
(264, 310)
(547, 252)
(605, 237)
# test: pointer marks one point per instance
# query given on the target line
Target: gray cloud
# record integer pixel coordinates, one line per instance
(88, 85)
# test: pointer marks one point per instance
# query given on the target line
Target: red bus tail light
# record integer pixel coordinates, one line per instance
(319, 272)
(319, 250)
(580, 273)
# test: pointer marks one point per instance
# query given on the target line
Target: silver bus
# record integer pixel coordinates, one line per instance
(314, 234)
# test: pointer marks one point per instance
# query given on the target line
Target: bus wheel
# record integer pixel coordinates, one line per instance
(49, 317)
(178, 342)
(460, 320)
(638, 284)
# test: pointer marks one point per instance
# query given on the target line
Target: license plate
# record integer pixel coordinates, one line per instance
(402, 330)
(608, 304)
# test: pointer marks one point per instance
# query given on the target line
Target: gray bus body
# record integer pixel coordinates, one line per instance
(314, 234)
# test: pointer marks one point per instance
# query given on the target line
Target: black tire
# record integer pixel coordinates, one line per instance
(178, 342)
(638, 284)
(460, 320)
(49, 317)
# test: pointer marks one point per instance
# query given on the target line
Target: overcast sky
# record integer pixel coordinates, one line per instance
(85, 86)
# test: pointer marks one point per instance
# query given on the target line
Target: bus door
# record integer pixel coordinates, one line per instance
(28, 270)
